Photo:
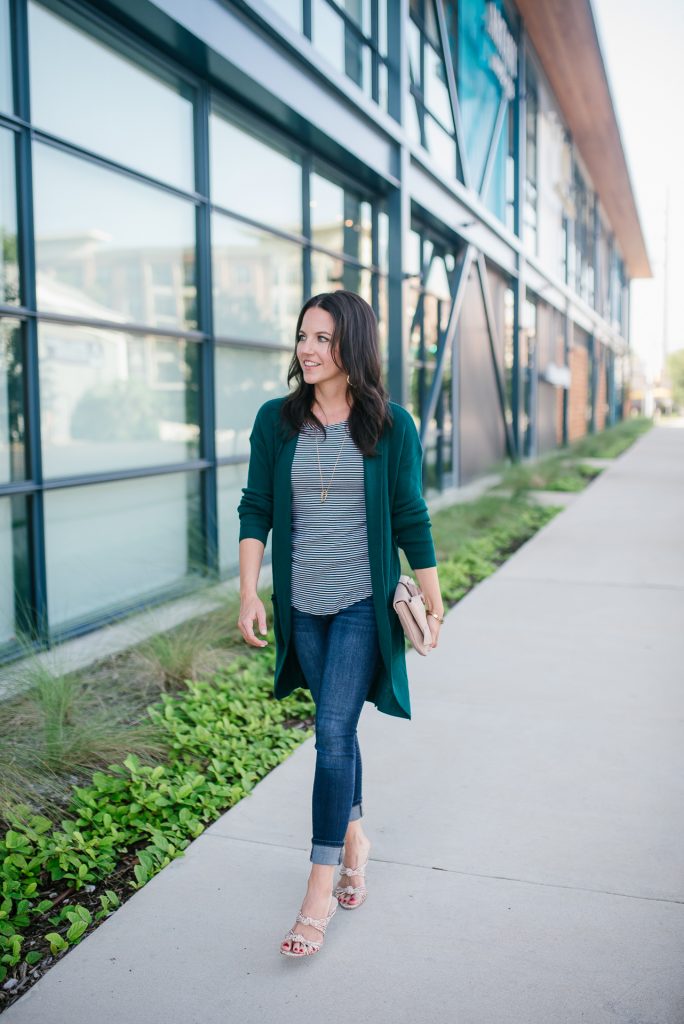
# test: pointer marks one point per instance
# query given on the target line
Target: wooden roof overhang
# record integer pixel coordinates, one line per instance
(565, 37)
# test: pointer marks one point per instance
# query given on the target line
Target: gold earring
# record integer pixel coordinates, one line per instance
(349, 382)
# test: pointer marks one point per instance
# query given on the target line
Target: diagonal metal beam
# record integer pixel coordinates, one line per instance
(424, 274)
(453, 94)
(494, 345)
(493, 146)
(420, 116)
(417, 314)
(461, 279)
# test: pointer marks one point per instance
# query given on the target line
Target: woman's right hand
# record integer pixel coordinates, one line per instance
(252, 608)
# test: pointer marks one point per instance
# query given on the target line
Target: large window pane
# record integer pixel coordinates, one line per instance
(108, 247)
(257, 282)
(6, 102)
(383, 86)
(437, 280)
(290, 10)
(6, 572)
(509, 351)
(245, 172)
(428, 311)
(382, 25)
(414, 45)
(115, 401)
(413, 260)
(109, 544)
(339, 42)
(329, 273)
(340, 220)
(413, 122)
(15, 609)
(12, 464)
(328, 33)
(231, 480)
(360, 11)
(441, 146)
(85, 91)
(383, 241)
(9, 266)
(531, 193)
(244, 379)
(436, 90)
(340, 45)
(486, 73)
(382, 314)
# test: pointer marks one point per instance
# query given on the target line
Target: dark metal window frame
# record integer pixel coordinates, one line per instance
(417, 91)
(394, 189)
(425, 363)
(32, 489)
(372, 41)
(531, 199)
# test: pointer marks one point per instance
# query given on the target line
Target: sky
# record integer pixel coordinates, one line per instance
(642, 47)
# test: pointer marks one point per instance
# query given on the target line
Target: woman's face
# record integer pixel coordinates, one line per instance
(313, 347)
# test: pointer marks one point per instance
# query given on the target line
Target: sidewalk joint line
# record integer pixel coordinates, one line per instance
(590, 583)
(466, 874)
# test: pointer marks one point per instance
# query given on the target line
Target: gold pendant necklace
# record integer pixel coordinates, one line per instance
(324, 490)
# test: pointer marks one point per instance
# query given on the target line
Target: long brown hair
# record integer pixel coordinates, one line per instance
(354, 348)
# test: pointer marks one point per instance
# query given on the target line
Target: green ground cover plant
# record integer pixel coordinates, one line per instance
(552, 473)
(609, 443)
(220, 736)
(564, 470)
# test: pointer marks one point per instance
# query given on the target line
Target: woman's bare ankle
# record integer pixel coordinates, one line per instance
(356, 838)
(320, 883)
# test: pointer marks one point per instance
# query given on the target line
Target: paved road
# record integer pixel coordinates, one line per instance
(528, 823)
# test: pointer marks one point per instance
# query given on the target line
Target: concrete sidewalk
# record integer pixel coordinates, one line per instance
(527, 824)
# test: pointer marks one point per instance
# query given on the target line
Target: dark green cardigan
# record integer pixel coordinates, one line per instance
(397, 516)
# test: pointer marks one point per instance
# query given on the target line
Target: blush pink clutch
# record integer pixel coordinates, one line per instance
(409, 604)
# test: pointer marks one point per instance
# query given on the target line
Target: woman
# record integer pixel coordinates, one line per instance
(335, 472)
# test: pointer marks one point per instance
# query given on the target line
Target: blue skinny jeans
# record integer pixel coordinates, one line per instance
(338, 654)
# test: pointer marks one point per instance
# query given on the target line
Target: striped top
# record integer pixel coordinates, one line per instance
(330, 566)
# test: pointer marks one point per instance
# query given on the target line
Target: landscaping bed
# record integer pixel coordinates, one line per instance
(564, 469)
(107, 774)
(609, 443)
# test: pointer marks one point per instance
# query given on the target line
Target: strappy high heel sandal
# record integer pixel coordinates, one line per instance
(311, 946)
(360, 891)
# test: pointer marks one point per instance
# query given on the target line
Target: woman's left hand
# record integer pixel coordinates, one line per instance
(428, 582)
(435, 627)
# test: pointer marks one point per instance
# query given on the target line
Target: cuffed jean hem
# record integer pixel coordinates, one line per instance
(326, 854)
(356, 812)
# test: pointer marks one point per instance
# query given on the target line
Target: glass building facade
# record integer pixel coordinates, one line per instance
(169, 197)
